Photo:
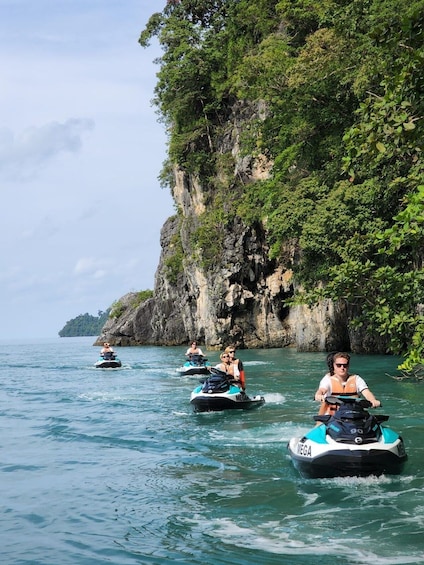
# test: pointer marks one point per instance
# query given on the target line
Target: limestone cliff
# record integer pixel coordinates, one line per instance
(238, 298)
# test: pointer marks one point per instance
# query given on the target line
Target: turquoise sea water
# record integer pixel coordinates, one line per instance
(112, 466)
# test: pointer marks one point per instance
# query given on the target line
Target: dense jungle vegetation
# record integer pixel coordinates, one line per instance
(341, 84)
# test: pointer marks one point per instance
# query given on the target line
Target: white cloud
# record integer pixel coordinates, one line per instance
(82, 206)
(91, 266)
(22, 155)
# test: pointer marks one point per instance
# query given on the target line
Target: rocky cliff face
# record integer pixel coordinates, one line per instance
(240, 298)
(240, 301)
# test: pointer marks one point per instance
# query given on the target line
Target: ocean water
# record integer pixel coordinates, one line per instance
(113, 466)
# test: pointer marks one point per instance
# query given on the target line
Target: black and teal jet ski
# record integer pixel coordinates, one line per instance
(108, 360)
(218, 392)
(351, 442)
(195, 365)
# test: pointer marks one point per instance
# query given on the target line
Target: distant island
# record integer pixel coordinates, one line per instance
(85, 325)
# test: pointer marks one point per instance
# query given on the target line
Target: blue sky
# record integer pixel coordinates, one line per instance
(81, 149)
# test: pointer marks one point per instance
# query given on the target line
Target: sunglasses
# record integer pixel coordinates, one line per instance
(342, 364)
(225, 356)
(231, 352)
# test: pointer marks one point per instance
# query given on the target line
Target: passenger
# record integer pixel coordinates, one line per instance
(194, 350)
(238, 370)
(225, 366)
(340, 382)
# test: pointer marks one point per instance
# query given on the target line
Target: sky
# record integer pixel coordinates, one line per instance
(81, 149)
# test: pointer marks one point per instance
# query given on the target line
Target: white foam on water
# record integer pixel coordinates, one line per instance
(279, 538)
(289, 430)
(109, 396)
(274, 398)
(361, 482)
(178, 413)
(252, 436)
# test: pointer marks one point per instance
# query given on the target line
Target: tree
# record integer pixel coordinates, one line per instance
(342, 83)
(85, 325)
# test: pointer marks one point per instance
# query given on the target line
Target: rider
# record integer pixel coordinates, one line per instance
(194, 350)
(106, 350)
(228, 366)
(340, 382)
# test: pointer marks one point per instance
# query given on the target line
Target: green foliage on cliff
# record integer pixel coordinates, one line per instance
(119, 306)
(342, 84)
(174, 262)
(85, 325)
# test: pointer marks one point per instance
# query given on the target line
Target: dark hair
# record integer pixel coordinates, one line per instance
(331, 357)
(330, 363)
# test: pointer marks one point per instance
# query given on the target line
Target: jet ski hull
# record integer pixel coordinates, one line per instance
(204, 402)
(191, 370)
(108, 364)
(348, 442)
(196, 365)
(316, 460)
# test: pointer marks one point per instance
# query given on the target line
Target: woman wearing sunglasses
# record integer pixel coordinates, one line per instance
(340, 382)
(225, 365)
(237, 367)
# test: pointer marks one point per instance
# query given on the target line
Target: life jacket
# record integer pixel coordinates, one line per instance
(242, 379)
(337, 388)
(238, 373)
(349, 388)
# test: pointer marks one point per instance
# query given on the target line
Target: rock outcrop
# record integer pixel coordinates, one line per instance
(239, 299)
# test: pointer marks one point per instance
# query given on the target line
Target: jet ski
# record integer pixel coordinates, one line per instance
(195, 365)
(218, 392)
(108, 360)
(351, 442)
